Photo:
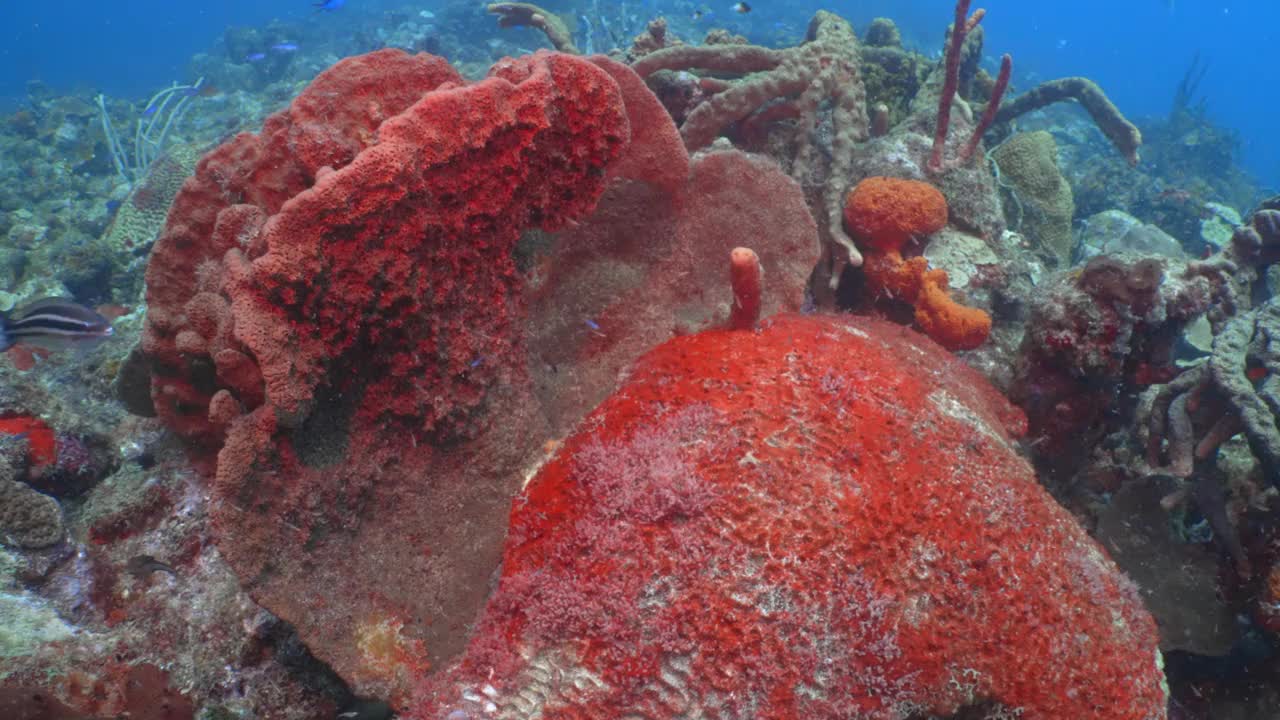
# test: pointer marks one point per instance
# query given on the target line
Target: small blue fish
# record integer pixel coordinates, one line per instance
(592, 324)
(113, 205)
(255, 57)
(284, 47)
(151, 110)
(476, 363)
(329, 5)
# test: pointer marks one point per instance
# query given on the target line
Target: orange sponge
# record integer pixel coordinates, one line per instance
(950, 324)
(886, 212)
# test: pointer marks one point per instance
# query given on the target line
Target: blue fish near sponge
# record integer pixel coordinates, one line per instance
(329, 4)
(53, 324)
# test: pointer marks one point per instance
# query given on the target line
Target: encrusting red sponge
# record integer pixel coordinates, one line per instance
(42, 450)
(825, 518)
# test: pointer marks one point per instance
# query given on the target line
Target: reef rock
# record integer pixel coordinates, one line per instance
(1114, 231)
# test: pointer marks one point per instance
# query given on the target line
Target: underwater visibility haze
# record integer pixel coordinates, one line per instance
(654, 359)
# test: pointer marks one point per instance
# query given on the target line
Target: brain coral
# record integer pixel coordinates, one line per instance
(1028, 165)
(821, 519)
(28, 519)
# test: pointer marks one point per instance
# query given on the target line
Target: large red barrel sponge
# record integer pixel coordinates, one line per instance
(405, 255)
(823, 519)
(364, 238)
(334, 311)
(189, 330)
(884, 214)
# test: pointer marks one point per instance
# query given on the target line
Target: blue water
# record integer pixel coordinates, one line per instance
(1136, 49)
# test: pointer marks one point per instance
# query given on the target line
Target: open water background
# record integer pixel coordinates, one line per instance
(1137, 50)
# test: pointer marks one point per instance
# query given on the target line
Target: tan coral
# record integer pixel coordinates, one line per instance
(28, 519)
(521, 14)
(822, 72)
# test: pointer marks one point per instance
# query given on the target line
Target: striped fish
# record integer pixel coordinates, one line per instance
(53, 324)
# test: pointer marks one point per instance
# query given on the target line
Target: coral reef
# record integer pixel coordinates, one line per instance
(81, 617)
(731, 533)
(1100, 333)
(1098, 329)
(822, 73)
(93, 623)
(1237, 390)
(342, 309)
(1169, 441)
(1188, 183)
(1230, 394)
(398, 327)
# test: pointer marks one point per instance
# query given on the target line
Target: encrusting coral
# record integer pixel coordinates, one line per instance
(28, 519)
